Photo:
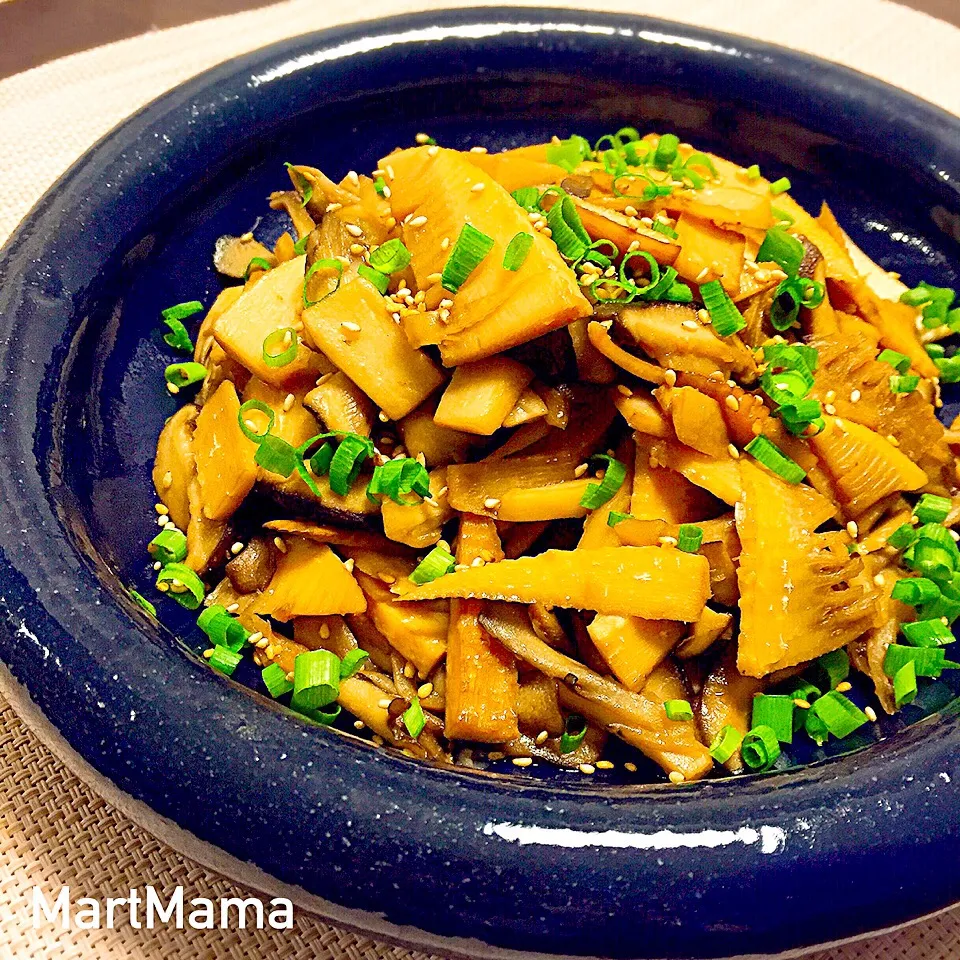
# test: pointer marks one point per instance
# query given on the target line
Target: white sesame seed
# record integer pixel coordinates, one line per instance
(288, 402)
(733, 451)
(353, 229)
(158, 566)
(844, 686)
(632, 767)
(348, 564)
(520, 761)
(333, 207)
(353, 178)
(167, 482)
(478, 149)
(676, 776)
(433, 150)
(871, 714)
(390, 172)
(830, 409)
(279, 544)
(358, 724)
(163, 519)
(235, 548)
(491, 503)
(422, 138)
(587, 768)
(425, 690)
(853, 530)
(161, 508)
(854, 396)
(604, 764)
(418, 221)
(690, 324)
(670, 377)
(173, 388)
(357, 249)
(541, 737)
(478, 187)
(732, 402)
(878, 579)
(384, 702)
(703, 274)
(207, 654)
(350, 326)
(263, 643)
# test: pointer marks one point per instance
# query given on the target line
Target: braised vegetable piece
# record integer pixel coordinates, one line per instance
(493, 309)
(801, 593)
(481, 676)
(626, 581)
(505, 454)
(353, 328)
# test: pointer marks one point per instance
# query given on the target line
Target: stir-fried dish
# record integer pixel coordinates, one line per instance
(506, 455)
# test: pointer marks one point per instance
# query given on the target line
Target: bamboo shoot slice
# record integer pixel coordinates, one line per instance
(481, 394)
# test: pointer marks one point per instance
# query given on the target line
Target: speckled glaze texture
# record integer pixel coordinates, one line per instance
(560, 865)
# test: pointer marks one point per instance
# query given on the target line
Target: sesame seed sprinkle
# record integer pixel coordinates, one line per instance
(522, 761)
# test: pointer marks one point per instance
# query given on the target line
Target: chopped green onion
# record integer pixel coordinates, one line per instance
(932, 509)
(903, 537)
(260, 407)
(660, 227)
(399, 477)
(142, 602)
(597, 494)
(666, 151)
(927, 633)
(528, 198)
(380, 185)
(804, 690)
(352, 662)
(300, 247)
(724, 315)
(689, 537)
(178, 338)
(701, 160)
(753, 172)
(276, 352)
(905, 684)
(782, 217)
(678, 710)
(380, 280)
(949, 368)
(840, 715)
(775, 712)
(798, 415)
(615, 516)
(815, 728)
(316, 680)
(899, 361)
(780, 186)
(791, 356)
(568, 154)
(327, 263)
(934, 301)
(304, 186)
(468, 253)
(390, 257)
(225, 661)
(517, 250)
(437, 563)
(223, 629)
(725, 744)
(783, 249)
(787, 386)
(935, 350)
(566, 229)
(181, 583)
(257, 263)
(324, 717)
(773, 458)
(904, 384)
(574, 730)
(927, 661)
(651, 190)
(413, 718)
(168, 546)
(180, 311)
(832, 668)
(182, 375)
(915, 590)
(275, 680)
(347, 462)
(277, 456)
(792, 294)
(760, 749)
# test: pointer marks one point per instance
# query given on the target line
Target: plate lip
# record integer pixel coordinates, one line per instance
(235, 67)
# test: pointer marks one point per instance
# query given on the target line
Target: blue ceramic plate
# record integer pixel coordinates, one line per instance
(559, 865)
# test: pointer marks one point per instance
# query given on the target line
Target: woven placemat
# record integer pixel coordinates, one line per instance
(55, 828)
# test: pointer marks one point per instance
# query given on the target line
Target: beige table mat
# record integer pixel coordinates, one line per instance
(54, 829)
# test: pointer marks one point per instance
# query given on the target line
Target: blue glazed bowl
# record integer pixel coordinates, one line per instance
(560, 865)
